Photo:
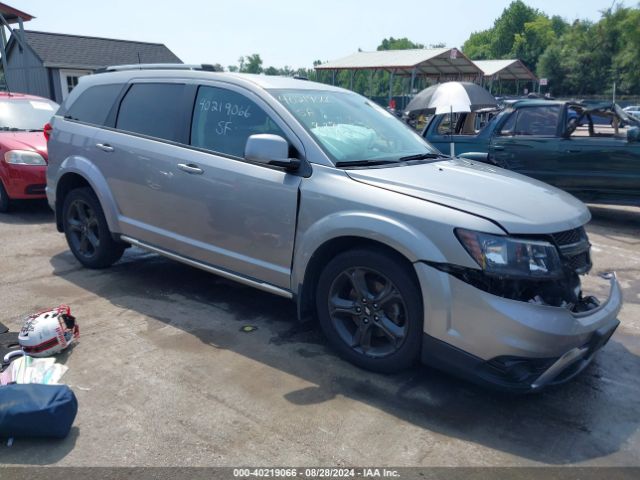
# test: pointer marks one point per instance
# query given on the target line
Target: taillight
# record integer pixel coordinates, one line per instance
(47, 131)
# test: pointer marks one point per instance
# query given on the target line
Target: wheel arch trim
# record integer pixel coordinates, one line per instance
(371, 228)
(84, 168)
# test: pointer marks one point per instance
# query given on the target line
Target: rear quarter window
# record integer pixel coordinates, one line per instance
(94, 104)
(152, 109)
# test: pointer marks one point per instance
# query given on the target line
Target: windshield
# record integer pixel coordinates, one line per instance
(351, 128)
(25, 114)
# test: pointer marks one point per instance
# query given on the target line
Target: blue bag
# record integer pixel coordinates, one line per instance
(34, 410)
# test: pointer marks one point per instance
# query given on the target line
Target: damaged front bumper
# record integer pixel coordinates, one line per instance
(509, 344)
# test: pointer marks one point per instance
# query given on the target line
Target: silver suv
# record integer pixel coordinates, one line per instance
(317, 194)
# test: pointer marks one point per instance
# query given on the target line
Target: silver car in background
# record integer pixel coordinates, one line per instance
(633, 110)
(317, 194)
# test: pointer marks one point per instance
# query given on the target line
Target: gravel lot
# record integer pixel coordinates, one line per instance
(164, 376)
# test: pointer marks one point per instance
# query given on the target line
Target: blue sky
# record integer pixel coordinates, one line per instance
(293, 33)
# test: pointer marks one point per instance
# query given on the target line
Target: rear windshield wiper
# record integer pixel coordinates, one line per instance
(422, 156)
(363, 163)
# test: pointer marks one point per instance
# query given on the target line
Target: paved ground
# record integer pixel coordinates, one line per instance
(164, 376)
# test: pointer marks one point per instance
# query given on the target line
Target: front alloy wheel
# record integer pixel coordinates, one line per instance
(370, 309)
(368, 312)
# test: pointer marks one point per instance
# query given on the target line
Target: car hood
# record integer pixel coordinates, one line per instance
(517, 203)
(31, 141)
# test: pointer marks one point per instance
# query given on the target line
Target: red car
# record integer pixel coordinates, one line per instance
(23, 148)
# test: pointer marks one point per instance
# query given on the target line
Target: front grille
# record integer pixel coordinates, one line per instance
(569, 237)
(574, 248)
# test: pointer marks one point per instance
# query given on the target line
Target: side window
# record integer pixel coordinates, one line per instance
(510, 125)
(445, 124)
(223, 120)
(541, 121)
(152, 109)
(94, 104)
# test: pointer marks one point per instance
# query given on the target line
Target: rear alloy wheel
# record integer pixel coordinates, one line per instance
(87, 231)
(371, 310)
(5, 202)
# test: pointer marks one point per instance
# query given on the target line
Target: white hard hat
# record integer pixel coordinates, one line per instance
(48, 332)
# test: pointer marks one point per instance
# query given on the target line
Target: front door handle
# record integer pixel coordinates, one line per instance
(105, 147)
(497, 147)
(190, 168)
(573, 151)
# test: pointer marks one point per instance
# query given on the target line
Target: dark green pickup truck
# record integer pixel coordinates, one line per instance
(591, 151)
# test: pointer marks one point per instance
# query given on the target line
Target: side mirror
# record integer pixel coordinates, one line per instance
(633, 134)
(475, 156)
(270, 150)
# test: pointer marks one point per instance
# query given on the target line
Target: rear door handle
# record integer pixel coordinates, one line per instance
(190, 168)
(105, 147)
(573, 151)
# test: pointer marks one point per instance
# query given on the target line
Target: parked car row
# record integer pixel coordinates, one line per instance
(316, 194)
(556, 142)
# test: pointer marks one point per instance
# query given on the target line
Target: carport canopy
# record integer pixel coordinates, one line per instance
(430, 62)
(512, 69)
(13, 15)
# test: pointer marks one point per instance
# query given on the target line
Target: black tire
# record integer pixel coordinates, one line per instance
(5, 201)
(359, 331)
(87, 231)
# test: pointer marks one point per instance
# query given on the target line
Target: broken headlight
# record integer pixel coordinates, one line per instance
(504, 256)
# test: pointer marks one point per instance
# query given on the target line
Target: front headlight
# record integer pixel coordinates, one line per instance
(23, 157)
(511, 257)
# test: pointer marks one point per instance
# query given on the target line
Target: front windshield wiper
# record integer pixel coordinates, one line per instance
(363, 163)
(372, 162)
(422, 156)
(11, 129)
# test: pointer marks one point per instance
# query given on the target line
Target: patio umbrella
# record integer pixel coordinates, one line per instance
(452, 97)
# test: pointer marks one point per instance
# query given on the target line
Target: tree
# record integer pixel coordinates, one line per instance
(508, 25)
(583, 58)
(558, 25)
(533, 41)
(626, 63)
(572, 64)
(499, 40)
(398, 44)
(550, 66)
(478, 45)
(232, 68)
(251, 64)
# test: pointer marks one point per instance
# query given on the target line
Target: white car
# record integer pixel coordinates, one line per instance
(633, 110)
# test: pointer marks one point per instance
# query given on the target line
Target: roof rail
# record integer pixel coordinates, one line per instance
(157, 66)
